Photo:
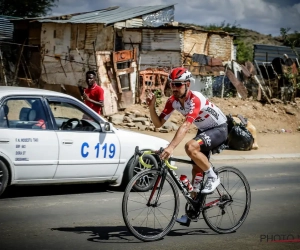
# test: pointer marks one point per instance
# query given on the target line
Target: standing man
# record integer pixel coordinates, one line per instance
(209, 119)
(93, 96)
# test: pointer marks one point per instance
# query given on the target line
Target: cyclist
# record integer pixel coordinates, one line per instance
(209, 119)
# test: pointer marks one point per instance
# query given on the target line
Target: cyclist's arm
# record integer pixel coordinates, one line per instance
(157, 120)
(184, 128)
(180, 134)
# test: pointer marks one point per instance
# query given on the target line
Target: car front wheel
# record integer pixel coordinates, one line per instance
(134, 167)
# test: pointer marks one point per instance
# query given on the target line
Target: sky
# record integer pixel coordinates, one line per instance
(263, 16)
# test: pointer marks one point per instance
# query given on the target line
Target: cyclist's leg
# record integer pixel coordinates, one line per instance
(197, 150)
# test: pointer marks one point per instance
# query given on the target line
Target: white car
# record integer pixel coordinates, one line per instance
(50, 137)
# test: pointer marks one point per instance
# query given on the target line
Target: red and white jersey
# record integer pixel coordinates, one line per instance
(197, 109)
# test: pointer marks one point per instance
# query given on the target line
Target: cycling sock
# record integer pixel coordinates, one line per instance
(210, 173)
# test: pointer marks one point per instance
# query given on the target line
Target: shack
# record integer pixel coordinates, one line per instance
(131, 49)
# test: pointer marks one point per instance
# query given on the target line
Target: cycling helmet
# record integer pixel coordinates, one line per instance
(180, 74)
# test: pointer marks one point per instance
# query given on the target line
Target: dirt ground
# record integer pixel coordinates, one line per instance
(270, 121)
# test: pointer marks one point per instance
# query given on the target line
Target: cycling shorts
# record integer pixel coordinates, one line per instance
(211, 138)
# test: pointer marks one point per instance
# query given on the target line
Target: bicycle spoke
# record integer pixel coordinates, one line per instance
(232, 220)
(234, 195)
(151, 221)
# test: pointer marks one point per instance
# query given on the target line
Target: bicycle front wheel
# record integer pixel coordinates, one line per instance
(149, 215)
(227, 208)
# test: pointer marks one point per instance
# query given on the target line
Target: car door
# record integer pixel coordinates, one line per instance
(84, 151)
(30, 144)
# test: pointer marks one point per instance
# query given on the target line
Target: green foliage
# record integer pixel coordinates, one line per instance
(227, 27)
(298, 82)
(26, 8)
(157, 93)
(290, 39)
(244, 52)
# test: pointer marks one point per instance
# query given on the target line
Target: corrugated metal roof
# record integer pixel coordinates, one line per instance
(266, 53)
(108, 16)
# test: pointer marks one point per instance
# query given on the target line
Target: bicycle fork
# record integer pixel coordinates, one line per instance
(159, 183)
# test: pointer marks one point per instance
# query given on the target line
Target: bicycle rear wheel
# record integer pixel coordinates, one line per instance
(227, 208)
(151, 214)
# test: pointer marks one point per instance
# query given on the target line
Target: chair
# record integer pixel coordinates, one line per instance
(23, 116)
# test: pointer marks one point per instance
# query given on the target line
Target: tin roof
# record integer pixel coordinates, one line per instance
(266, 53)
(105, 16)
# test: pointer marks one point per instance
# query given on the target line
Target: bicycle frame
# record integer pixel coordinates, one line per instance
(150, 213)
(197, 204)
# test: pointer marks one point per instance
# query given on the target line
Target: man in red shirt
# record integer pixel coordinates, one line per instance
(93, 96)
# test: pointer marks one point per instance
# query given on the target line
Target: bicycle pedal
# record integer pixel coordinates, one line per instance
(184, 221)
(187, 224)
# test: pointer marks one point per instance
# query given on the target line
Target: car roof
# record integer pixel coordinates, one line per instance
(14, 90)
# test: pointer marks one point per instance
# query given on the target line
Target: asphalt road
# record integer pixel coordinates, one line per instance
(90, 217)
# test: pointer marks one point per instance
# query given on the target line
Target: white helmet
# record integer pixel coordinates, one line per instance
(180, 74)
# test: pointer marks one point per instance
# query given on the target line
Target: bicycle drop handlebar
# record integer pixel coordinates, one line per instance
(141, 153)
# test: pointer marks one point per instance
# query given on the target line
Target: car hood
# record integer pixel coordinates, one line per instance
(142, 140)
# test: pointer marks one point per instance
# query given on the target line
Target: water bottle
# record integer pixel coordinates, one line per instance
(197, 182)
(186, 183)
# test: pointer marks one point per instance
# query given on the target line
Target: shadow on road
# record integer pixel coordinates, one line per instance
(48, 190)
(122, 235)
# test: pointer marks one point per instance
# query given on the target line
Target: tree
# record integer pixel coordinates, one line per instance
(290, 39)
(244, 51)
(26, 8)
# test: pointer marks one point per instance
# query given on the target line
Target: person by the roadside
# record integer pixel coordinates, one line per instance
(93, 95)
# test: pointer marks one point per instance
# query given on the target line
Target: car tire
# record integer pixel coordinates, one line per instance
(4, 176)
(134, 167)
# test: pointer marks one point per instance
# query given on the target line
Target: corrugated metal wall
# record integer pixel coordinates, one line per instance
(6, 29)
(161, 39)
(160, 48)
(153, 59)
(266, 53)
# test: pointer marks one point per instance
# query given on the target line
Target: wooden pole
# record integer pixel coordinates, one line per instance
(2, 68)
(18, 65)
(222, 92)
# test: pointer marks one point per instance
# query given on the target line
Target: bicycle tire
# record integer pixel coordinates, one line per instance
(236, 189)
(134, 208)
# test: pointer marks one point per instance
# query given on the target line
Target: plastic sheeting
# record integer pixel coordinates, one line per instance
(229, 89)
(159, 18)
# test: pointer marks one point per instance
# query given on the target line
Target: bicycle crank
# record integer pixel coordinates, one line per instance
(191, 213)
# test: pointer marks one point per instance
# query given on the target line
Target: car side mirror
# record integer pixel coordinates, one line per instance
(105, 127)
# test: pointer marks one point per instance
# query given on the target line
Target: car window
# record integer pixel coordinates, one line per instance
(70, 117)
(23, 113)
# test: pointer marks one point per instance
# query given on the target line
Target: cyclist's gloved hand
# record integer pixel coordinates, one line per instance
(166, 153)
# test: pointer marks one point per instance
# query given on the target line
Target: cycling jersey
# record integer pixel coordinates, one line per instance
(197, 109)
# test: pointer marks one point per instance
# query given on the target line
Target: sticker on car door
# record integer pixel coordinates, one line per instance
(106, 150)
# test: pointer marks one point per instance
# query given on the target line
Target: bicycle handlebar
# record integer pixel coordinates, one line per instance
(142, 153)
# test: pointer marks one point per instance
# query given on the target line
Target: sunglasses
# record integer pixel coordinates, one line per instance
(177, 84)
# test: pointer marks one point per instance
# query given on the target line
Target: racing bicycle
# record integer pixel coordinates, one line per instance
(150, 214)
